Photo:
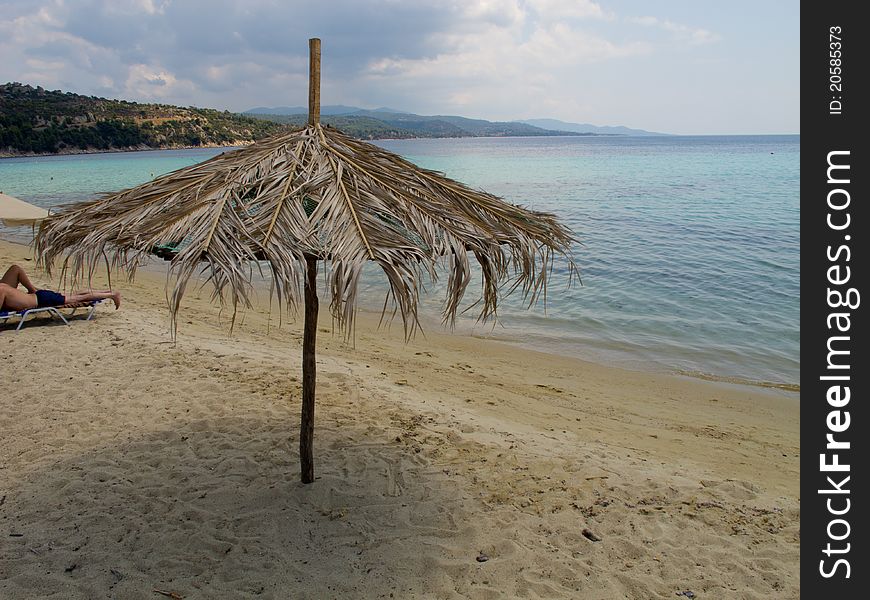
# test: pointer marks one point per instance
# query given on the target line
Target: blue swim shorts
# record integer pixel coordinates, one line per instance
(46, 298)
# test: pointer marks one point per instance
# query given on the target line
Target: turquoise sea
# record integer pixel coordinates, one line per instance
(689, 255)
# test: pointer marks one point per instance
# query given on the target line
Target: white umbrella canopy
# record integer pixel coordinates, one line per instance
(308, 196)
(14, 212)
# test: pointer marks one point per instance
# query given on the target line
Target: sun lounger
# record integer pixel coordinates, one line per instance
(170, 250)
(53, 311)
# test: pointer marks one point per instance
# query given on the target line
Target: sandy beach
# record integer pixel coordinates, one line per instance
(448, 467)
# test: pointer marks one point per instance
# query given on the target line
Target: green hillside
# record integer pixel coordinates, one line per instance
(363, 128)
(38, 121)
(35, 120)
(369, 124)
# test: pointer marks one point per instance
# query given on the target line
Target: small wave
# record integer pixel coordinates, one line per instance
(788, 387)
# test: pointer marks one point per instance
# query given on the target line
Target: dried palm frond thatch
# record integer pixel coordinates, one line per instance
(313, 192)
(308, 195)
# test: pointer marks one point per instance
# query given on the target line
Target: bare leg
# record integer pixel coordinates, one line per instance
(14, 276)
(91, 296)
(11, 298)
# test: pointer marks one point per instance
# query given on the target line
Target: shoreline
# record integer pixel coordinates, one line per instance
(79, 151)
(433, 326)
(241, 144)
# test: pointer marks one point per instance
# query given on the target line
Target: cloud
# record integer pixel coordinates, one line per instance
(154, 83)
(495, 59)
(536, 53)
(559, 10)
(560, 44)
(502, 13)
(685, 33)
(239, 54)
(497, 76)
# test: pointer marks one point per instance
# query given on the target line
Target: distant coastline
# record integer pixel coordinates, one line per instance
(242, 143)
(78, 151)
(35, 122)
(39, 122)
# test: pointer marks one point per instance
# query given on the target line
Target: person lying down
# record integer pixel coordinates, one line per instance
(13, 299)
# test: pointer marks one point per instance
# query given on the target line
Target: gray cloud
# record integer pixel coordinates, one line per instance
(222, 46)
(201, 30)
(498, 59)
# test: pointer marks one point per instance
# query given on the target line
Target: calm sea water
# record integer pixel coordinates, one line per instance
(690, 245)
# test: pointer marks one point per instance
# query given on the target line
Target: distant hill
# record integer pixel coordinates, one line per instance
(35, 120)
(336, 109)
(330, 109)
(396, 123)
(364, 128)
(586, 127)
(459, 126)
(384, 122)
(39, 121)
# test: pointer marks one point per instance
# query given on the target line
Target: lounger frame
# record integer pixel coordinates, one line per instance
(53, 311)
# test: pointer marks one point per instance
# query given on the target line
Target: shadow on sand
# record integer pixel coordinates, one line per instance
(214, 509)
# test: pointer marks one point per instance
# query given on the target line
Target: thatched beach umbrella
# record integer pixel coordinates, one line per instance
(314, 194)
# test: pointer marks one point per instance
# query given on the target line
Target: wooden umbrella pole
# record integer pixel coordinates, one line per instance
(309, 372)
(309, 338)
(314, 81)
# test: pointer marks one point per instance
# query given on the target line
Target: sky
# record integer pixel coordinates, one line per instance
(673, 66)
